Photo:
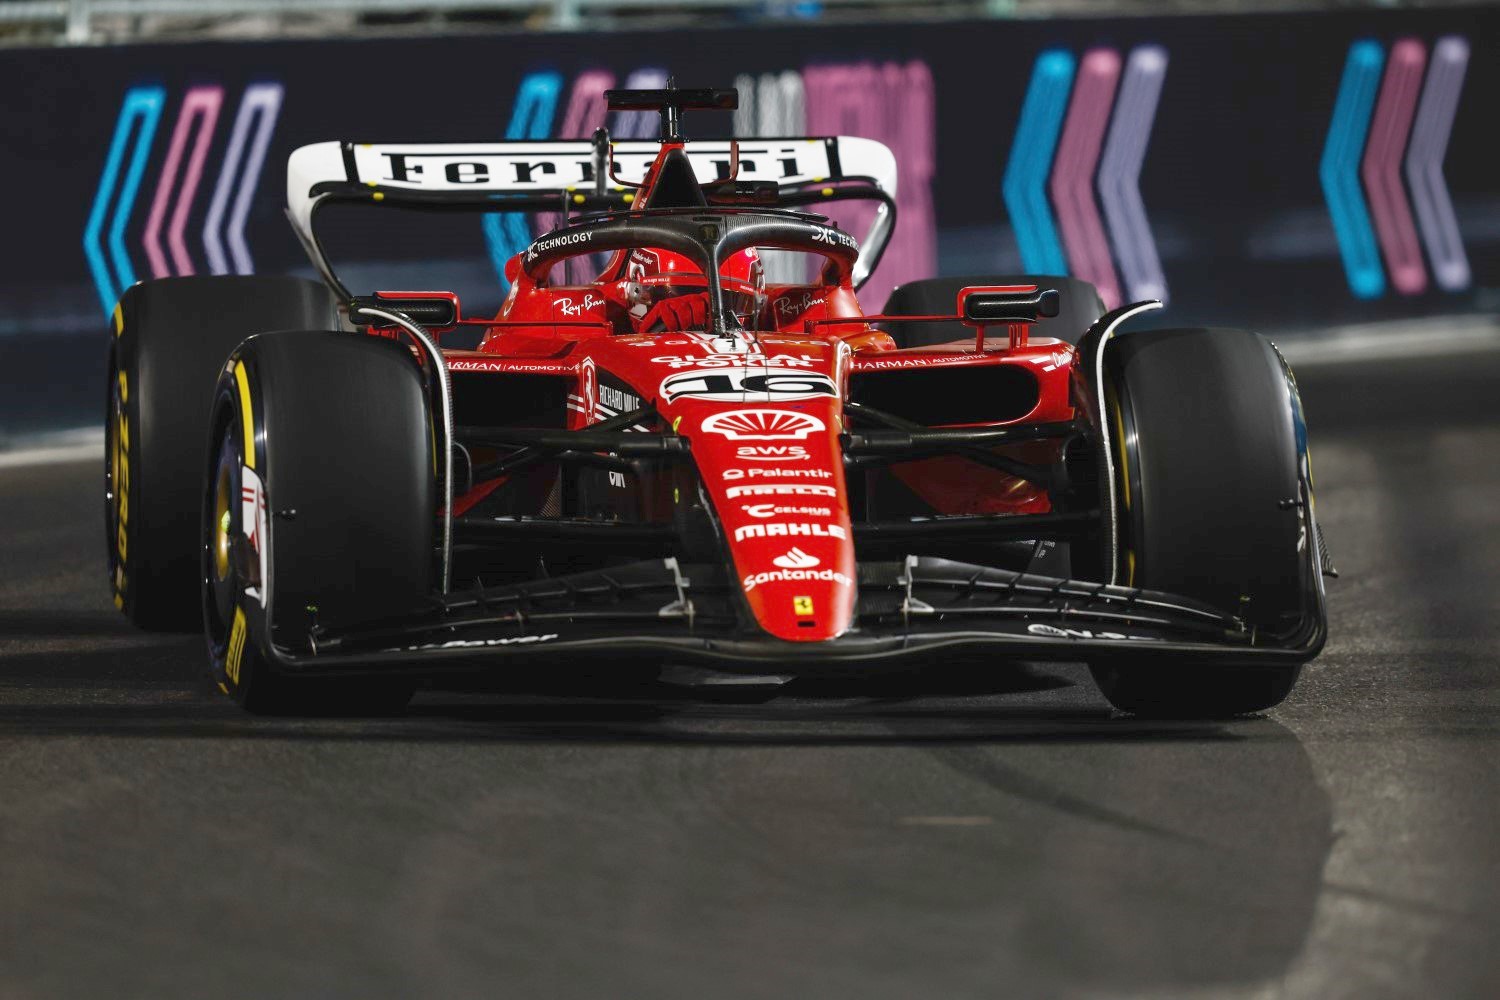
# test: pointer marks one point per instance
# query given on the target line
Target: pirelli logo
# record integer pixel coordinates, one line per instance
(236, 649)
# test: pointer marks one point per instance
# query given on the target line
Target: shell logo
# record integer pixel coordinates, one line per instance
(763, 425)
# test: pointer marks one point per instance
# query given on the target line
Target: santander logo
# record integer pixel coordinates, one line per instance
(763, 425)
(795, 558)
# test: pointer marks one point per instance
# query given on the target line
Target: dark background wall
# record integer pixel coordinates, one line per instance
(1236, 211)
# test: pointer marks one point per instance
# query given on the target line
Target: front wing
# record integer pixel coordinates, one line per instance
(696, 616)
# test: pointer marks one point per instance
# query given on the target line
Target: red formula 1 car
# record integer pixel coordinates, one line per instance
(681, 463)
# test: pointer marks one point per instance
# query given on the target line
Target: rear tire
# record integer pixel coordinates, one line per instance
(170, 340)
(1204, 427)
(1080, 306)
(339, 446)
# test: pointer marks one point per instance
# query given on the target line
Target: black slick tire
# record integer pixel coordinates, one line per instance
(168, 342)
(323, 448)
(1079, 307)
(1208, 466)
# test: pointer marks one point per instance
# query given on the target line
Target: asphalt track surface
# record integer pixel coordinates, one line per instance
(994, 833)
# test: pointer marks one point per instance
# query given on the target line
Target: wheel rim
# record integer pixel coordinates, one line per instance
(221, 557)
(222, 523)
(1120, 426)
(112, 500)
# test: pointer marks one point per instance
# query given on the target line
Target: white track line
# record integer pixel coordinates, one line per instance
(85, 445)
(1390, 340)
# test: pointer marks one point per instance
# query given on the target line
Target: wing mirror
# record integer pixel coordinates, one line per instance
(437, 312)
(1017, 306)
(982, 305)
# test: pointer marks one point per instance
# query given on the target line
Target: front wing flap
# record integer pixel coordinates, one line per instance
(696, 615)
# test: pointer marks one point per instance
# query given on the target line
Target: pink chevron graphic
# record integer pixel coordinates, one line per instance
(1381, 169)
(586, 110)
(202, 104)
(893, 103)
(1072, 183)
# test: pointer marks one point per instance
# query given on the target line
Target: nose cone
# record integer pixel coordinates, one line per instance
(775, 473)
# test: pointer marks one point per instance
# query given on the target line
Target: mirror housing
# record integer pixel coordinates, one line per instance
(436, 312)
(983, 305)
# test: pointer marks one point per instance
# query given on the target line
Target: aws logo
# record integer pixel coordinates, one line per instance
(772, 453)
(172, 241)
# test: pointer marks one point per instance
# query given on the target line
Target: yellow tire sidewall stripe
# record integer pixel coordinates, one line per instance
(235, 651)
(247, 415)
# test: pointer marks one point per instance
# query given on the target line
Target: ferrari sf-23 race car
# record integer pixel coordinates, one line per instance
(679, 462)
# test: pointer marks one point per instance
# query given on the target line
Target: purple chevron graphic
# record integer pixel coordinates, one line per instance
(639, 124)
(1381, 169)
(200, 105)
(1077, 157)
(239, 176)
(1120, 172)
(1424, 163)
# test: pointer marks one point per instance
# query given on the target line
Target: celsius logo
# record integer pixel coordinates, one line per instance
(795, 558)
(763, 425)
(772, 510)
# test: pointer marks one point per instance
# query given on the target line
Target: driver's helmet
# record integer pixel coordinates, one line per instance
(653, 274)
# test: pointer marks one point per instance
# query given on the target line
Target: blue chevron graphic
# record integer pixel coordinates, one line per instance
(506, 233)
(1024, 186)
(1339, 169)
(143, 104)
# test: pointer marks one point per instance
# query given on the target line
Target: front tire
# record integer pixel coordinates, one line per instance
(1206, 431)
(319, 511)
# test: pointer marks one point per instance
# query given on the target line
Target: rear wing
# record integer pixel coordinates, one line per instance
(561, 176)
